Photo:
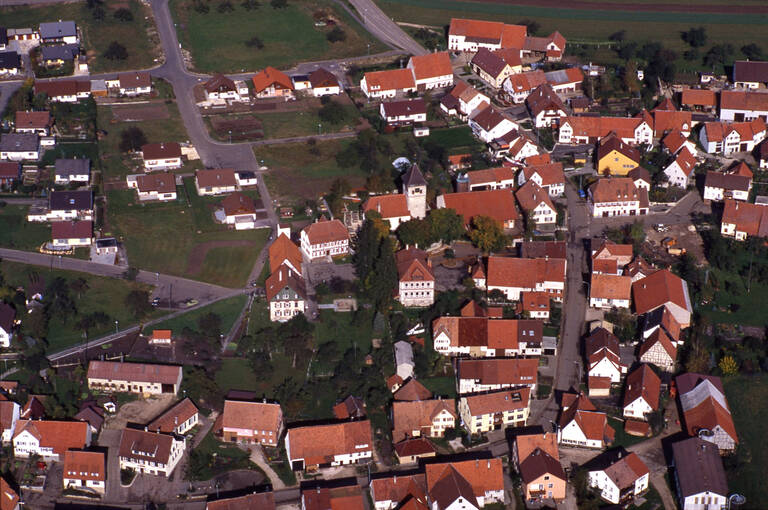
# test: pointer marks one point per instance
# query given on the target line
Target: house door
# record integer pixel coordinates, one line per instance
(738, 117)
(605, 214)
(743, 147)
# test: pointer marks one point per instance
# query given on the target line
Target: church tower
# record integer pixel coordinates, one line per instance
(415, 191)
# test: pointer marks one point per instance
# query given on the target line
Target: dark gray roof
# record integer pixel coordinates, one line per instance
(749, 71)
(68, 167)
(106, 242)
(61, 52)
(3, 36)
(69, 200)
(489, 62)
(414, 177)
(7, 314)
(699, 467)
(9, 60)
(19, 142)
(58, 29)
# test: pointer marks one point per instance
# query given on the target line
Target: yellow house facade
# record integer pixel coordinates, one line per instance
(616, 163)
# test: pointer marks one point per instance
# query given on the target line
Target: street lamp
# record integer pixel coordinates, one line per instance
(230, 136)
(736, 499)
(319, 127)
(116, 322)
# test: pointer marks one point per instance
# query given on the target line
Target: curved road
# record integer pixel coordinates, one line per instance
(382, 26)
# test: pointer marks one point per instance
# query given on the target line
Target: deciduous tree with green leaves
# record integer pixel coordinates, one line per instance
(487, 234)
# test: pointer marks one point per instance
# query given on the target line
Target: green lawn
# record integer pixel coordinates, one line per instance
(441, 386)
(228, 309)
(213, 457)
(296, 174)
(236, 374)
(737, 306)
(622, 438)
(591, 25)
(168, 237)
(16, 232)
(748, 400)
(453, 138)
(217, 40)
(102, 295)
(96, 35)
(115, 163)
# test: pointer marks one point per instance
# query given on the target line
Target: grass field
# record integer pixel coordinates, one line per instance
(118, 164)
(16, 232)
(103, 294)
(163, 237)
(457, 140)
(750, 306)
(236, 374)
(217, 40)
(295, 173)
(228, 309)
(593, 25)
(96, 35)
(748, 400)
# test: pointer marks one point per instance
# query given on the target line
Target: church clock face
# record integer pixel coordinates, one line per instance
(417, 190)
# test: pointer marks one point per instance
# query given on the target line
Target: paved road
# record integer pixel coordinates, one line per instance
(381, 26)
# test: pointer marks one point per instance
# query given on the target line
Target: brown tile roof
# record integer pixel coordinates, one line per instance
(510, 55)
(71, 229)
(138, 372)
(219, 83)
(147, 446)
(498, 401)
(530, 195)
(165, 150)
(524, 273)
(216, 178)
(483, 475)
(158, 182)
(393, 79)
(408, 416)
(9, 498)
(405, 108)
(612, 143)
(10, 170)
(332, 498)
(60, 88)
(593, 424)
(134, 80)
(388, 206)
(322, 78)
(240, 414)
(618, 189)
(609, 266)
(750, 71)
(698, 97)
(699, 467)
(489, 62)
(540, 463)
(534, 301)
(317, 444)
(543, 249)
(180, 412)
(665, 121)
(283, 277)
(610, 286)
(639, 266)
(413, 265)
(33, 120)
(743, 100)
(526, 82)
(84, 465)
(6, 413)
(237, 203)
(538, 159)
(431, 65)
(625, 472)
(643, 382)
(488, 118)
(449, 487)
(727, 182)
(550, 173)
(270, 76)
(491, 175)
(637, 428)
(544, 98)
(749, 218)
(498, 204)
(658, 289)
(661, 337)
(326, 231)
(283, 249)
(640, 173)
(60, 436)
(399, 487)
(673, 141)
(257, 501)
(514, 371)
(350, 407)
(493, 32)
(598, 127)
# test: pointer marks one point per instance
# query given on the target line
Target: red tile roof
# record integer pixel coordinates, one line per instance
(408, 416)
(643, 382)
(283, 277)
(147, 446)
(165, 150)
(491, 175)
(82, 465)
(431, 65)
(524, 273)
(665, 121)
(609, 286)
(498, 204)
(388, 206)
(216, 178)
(749, 218)
(271, 76)
(60, 436)
(317, 444)
(498, 401)
(659, 336)
(413, 265)
(483, 475)
(514, 371)
(326, 231)
(9, 498)
(239, 414)
(237, 203)
(283, 249)
(658, 289)
(33, 120)
(177, 414)
(158, 182)
(530, 195)
(135, 372)
(598, 127)
(493, 32)
(393, 79)
(534, 301)
(743, 100)
(257, 501)
(593, 424)
(698, 97)
(412, 390)
(399, 487)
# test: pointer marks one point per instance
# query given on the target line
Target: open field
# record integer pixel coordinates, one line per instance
(164, 125)
(737, 306)
(164, 237)
(593, 24)
(16, 232)
(457, 140)
(297, 174)
(228, 309)
(748, 400)
(101, 295)
(96, 35)
(217, 40)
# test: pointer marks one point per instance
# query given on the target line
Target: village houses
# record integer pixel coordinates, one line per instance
(581, 424)
(495, 410)
(324, 238)
(618, 476)
(251, 422)
(141, 378)
(85, 470)
(152, 453)
(49, 439)
(314, 446)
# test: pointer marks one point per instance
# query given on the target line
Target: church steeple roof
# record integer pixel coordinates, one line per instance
(414, 177)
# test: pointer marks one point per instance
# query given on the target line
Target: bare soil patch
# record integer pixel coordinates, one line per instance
(140, 113)
(199, 251)
(240, 128)
(140, 411)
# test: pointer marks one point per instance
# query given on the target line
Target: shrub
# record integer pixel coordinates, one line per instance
(123, 14)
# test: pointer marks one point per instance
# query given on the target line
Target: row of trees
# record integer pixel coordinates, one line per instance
(226, 6)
